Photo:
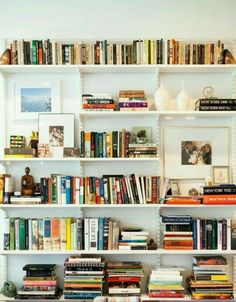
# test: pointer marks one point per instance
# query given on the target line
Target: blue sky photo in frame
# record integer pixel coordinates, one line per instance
(36, 99)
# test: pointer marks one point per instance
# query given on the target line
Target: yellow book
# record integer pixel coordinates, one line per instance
(68, 234)
(152, 51)
(146, 52)
(219, 277)
(160, 287)
(19, 156)
(111, 153)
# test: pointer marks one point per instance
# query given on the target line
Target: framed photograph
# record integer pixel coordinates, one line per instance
(141, 135)
(192, 151)
(56, 130)
(70, 152)
(174, 186)
(220, 175)
(32, 98)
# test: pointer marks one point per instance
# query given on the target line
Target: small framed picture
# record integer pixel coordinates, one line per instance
(34, 97)
(174, 186)
(220, 175)
(56, 130)
(70, 152)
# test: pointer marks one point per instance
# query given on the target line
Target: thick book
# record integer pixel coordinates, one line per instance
(219, 199)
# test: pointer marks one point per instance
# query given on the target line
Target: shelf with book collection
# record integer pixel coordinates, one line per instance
(105, 78)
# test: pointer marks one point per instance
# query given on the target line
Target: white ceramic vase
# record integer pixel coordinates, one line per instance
(161, 98)
(182, 100)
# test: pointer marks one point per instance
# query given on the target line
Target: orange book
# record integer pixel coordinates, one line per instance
(178, 243)
(55, 234)
(219, 199)
(82, 285)
(182, 201)
(172, 247)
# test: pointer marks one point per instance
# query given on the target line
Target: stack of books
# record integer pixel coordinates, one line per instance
(83, 277)
(19, 152)
(166, 282)
(124, 278)
(182, 199)
(143, 150)
(222, 194)
(214, 104)
(40, 282)
(177, 232)
(132, 100)
(133, 239)
(210, 278)
(25, 199)
(98, 102)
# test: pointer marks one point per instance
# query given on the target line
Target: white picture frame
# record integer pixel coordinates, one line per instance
(221, 175)
(57, 130)
(173, 136)
(34, 97)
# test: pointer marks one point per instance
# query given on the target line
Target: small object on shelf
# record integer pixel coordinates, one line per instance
(27, 183)
(5, 58)
(193, 192)
(34, 139)
(17, 141)
(43, 150)
(182, 99)
(141, 135)
(70, 152)
(152, 245)
(9, 289)
(208, 92)
(228, 58)
(8, 189)
(161, 98)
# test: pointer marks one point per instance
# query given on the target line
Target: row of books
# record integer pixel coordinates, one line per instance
(54, 234)
(48, 52)
(114, 144)
(181, 52)
(108, 189)
(185, 232)
(141, 51)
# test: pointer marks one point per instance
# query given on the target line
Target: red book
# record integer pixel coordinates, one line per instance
(123, 279)
(97, 184)
(219, 199)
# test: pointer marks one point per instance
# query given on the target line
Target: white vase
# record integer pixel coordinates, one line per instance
(161, 98)
(182, 100)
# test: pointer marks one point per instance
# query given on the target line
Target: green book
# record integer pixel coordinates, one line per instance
(54, 188)
(34, 52)
(12, 234)
(214, 234)
(22, 233)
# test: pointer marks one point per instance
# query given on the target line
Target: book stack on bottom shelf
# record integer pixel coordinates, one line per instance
(124, 278)
(166, 282)
(83, 277)
(210, 278)
(40, 282)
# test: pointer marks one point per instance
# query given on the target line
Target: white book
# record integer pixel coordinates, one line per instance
(129, 191)
(77, 189)
(30, 233)
(141, 233)
(93, 230)
(17, 234)
(58, 189)
(219, 237)
(198, 234)
(228, 234)
(148, 191)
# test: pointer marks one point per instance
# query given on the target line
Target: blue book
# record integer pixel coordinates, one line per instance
(100, 145)
(101, 190)
(194, 228)
(63, 189)
(68, 190)
(100, 233)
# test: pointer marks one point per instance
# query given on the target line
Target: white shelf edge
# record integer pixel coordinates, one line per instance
(106, 252)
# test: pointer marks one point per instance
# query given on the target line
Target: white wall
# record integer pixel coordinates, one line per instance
(117, 18)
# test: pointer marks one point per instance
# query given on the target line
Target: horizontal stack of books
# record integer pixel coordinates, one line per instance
(133, 239)
(215, 104)
(26, 199)
(223, 194)
(182, 199)
(83, 277)
(177, 232)
(182, 52)
(132, 100)
(210, 278)
(124, 278)
(108, 189)
(40, 282)
(98, 102)
(99, 52)
(143, 150)
(166, 282)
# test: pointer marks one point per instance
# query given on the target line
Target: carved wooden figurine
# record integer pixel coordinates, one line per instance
(27, 183)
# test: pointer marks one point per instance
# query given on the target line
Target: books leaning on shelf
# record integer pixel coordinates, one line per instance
(210, 278)
(215, 104)
(132, 100)
(40, 282)
(98, 102)
(48, 52)
(124, 278)
(55, 234)
(166, 282)
(108, 189)
(83, 277)
(185, 232)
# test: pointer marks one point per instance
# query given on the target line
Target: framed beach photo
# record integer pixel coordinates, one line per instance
(221, 175)
(56, 130)
(32, 98)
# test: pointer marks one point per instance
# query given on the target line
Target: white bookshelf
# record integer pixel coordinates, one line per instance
(76, 79)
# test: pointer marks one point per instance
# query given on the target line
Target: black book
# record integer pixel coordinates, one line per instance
(219, 190)
(114, 143)
(82, 144)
